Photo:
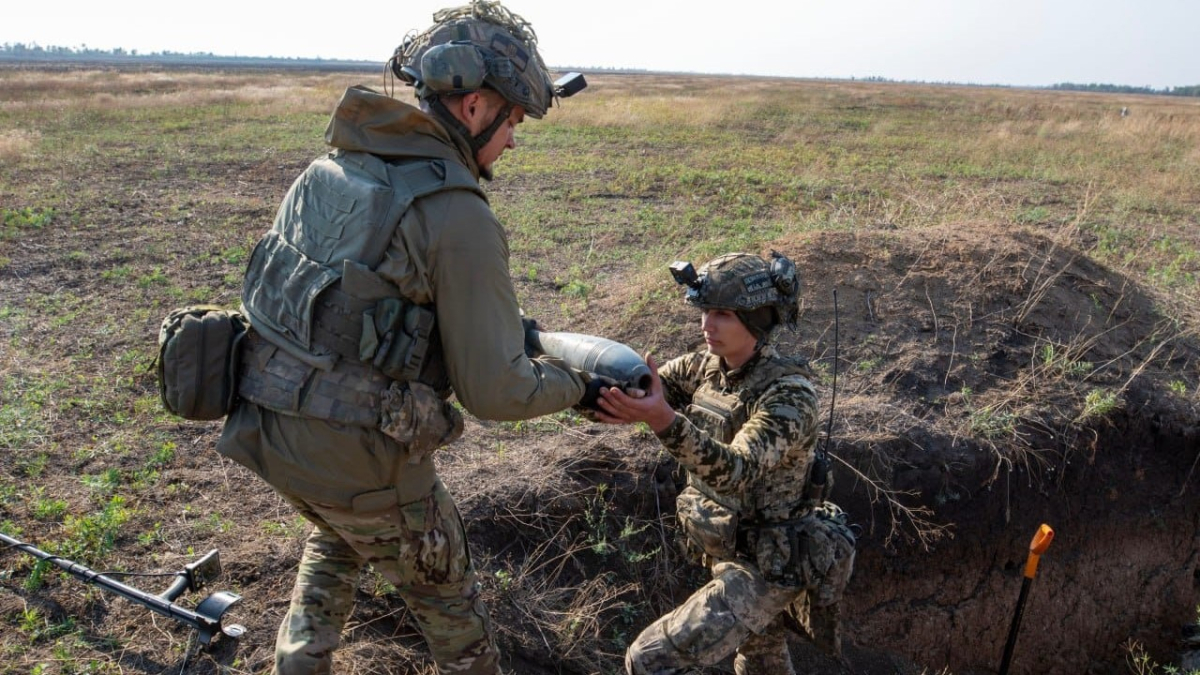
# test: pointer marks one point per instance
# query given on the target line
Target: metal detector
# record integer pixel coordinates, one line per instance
(206, 618)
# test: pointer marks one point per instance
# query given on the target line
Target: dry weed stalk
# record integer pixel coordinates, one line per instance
(1043, 281)
(913, 523)
(569, 611)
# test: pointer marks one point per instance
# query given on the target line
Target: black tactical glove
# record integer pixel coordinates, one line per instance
(591, 394)
(531, 342)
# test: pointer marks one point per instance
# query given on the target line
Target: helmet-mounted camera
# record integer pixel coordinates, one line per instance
(570, 84)
(685, 275)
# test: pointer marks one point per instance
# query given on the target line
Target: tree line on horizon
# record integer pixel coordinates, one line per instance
(1192, 90)
(36, 52)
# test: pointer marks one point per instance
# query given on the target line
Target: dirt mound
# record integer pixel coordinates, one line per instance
(988, 381)
(996, 380)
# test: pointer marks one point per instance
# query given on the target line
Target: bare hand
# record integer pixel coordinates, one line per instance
(619, 407)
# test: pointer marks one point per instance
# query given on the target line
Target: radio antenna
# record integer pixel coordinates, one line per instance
(833, 395)
(818, 476)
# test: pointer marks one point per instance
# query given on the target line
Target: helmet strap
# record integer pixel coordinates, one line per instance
(477, 142)
(485, 136)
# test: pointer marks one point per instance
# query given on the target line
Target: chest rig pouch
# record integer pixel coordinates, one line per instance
(709, 521)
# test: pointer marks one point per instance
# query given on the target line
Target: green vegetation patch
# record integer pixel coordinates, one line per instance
(15, 221)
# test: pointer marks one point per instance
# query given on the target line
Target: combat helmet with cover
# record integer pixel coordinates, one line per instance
(762, 294)
(477, 46)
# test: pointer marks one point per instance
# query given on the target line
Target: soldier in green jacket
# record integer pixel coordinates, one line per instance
(746, 432)
(382, 288)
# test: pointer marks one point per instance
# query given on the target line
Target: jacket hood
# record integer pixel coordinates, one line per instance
(368, 121)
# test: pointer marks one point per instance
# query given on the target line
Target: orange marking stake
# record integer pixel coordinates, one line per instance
(1041, 542)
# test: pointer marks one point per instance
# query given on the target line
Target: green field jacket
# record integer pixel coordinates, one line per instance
(446, 252)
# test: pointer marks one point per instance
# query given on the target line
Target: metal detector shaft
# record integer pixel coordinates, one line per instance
(206, 618)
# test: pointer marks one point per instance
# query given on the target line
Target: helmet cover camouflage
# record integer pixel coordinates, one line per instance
(476, 45)
(743, 282)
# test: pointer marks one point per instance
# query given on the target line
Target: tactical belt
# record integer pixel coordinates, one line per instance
(747, 532)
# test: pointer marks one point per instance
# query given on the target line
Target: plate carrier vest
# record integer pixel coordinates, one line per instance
(314, 300)
(721, 413)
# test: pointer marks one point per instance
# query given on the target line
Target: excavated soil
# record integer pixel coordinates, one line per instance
(937, 331)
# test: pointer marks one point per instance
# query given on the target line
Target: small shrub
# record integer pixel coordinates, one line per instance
(1141, 663)
(1097, 404)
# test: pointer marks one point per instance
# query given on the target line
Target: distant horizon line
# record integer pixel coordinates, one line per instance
(12, 52)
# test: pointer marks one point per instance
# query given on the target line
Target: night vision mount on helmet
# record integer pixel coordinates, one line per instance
(743, 282)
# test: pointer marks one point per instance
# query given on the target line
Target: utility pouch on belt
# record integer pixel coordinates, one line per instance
(199, 354)
(802, 552)
(413, 413)
(709, 526)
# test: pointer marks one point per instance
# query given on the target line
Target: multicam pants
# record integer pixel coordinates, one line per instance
(371, 502)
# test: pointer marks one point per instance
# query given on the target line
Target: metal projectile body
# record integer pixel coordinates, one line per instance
(596, 355)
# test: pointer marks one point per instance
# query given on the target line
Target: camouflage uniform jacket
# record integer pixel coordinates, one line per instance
(756, 460)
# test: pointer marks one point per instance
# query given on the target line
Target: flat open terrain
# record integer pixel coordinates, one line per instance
(1016, 275)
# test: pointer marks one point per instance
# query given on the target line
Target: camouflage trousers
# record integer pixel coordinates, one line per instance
(372, 503)
(738, 612)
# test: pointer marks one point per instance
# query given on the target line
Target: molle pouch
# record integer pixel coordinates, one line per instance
(709, 526)
(715, 425)
(199, 356)
(396, 337)
(773, 551)
(413, 414)
(809, 552)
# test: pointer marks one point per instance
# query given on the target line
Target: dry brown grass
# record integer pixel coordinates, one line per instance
(15, 143)
(115, 91)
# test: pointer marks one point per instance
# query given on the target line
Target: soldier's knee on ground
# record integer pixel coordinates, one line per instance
(766, 652)
(652, 653)
(819, 624)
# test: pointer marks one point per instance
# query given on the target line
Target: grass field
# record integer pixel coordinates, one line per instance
(124, 194)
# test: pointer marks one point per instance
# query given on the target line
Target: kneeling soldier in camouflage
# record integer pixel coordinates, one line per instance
(779, 554)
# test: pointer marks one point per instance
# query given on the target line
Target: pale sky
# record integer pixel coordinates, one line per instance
(1151, 43)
